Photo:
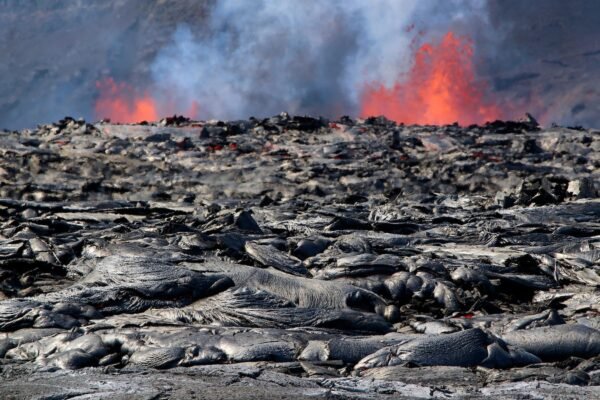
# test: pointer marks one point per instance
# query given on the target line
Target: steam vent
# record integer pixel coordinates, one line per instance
(441, 241)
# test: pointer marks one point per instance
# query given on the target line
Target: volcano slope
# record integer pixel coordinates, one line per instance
(297, 257)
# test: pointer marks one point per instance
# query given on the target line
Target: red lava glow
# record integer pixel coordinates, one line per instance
(120, 103)
(193, 110)
(441, 88)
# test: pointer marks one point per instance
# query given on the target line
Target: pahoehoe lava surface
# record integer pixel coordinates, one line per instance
(297, 257)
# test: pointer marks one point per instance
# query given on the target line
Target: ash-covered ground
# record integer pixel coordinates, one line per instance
(296, 257)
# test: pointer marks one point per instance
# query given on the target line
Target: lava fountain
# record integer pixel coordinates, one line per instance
(119, 102)
(440, 88)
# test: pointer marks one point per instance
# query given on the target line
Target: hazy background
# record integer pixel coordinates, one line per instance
(260, 57)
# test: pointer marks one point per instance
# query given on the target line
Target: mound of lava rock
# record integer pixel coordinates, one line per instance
(297, 257)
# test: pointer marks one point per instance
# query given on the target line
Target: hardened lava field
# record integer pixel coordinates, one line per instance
(295, 257)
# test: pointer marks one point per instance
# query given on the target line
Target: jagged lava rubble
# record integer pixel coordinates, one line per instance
(295, 256)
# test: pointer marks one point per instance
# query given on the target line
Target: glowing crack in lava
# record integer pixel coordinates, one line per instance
(440, 88)
(120, 103)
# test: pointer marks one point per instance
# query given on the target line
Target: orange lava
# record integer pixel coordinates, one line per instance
(193, 110)
(441, 88)
(120, 103)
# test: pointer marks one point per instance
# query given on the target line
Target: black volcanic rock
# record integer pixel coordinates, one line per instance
(323, 256)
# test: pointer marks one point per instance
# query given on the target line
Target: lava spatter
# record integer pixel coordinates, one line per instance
(441, 88)
(119, 102)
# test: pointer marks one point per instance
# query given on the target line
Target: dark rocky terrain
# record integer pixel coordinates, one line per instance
(297, 257)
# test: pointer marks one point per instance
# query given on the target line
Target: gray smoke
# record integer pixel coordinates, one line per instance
(53, 52)
(262, 57)
(237, 58)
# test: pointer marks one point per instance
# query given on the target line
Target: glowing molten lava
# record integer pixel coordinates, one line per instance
(120, 103)
(440, 89)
